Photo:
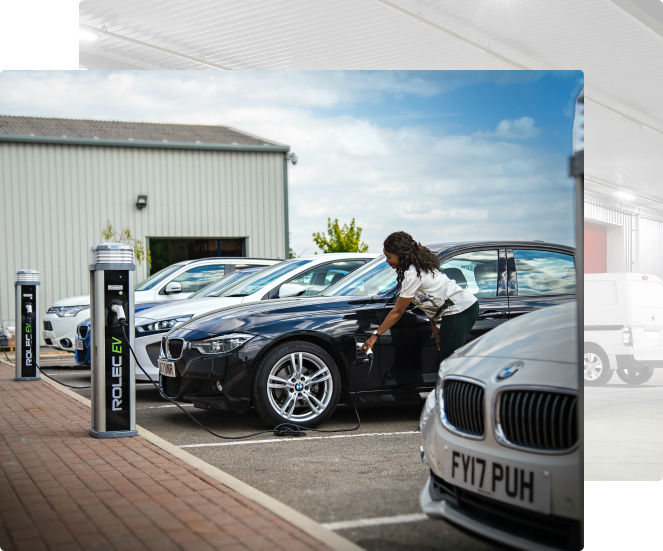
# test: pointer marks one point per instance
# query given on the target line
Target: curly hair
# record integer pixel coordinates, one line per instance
(410, 253)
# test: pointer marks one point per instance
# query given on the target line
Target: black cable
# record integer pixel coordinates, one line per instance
(47, 375)
(60, 382)
(283, 429)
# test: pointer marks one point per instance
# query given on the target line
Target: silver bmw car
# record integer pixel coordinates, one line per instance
(500, 434)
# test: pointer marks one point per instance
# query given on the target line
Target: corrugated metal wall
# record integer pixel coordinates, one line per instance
(56, 199)
(643, 231)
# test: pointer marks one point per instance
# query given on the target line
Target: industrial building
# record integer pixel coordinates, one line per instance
(185, 191)
(623, 232)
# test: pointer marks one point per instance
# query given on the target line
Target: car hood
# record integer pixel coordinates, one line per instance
(189, 307)
(539, 348)
(247, 316)
(82, 300)
(546, 334)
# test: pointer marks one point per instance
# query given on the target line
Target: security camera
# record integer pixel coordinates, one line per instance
(292, 158)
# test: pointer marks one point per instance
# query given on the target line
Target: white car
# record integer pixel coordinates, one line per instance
(175, 282)
(306, 276)
(500, 434)
(623, 327)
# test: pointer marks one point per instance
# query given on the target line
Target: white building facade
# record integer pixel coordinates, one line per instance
(204, 191)
(622, 235)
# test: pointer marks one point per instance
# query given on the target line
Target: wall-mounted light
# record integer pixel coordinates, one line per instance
(141, 202)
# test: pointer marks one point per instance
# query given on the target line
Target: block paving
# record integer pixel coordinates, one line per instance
(61, 488)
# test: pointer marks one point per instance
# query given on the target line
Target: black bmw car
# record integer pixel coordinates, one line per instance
(295, 360)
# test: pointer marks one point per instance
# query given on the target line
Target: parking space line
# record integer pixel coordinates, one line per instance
(297, 439)
(378, 521)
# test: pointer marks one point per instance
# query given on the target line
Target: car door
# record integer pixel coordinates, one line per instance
(193, 279)
(408, 353)
(317, 279)
(483, 272)
(538, 278)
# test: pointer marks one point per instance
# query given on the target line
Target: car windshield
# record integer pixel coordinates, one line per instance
(264, 277)
(375, 278)
(218, 287)
(157, 278)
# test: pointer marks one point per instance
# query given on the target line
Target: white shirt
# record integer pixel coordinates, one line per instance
(438, 285)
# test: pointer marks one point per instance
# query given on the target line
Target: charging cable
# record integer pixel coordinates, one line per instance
(28, 311)
(46, 374)
(283, 429)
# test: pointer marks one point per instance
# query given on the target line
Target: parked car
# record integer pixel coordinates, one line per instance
(82, 344)
(500, 434)
(295, 360)
(623, 327)
(304, 276)
(176, 282)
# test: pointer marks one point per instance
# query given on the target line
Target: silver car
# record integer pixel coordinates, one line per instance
(500, 434)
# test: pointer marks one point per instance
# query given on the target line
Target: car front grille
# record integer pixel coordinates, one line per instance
(537, 419)
(48, 326)
(174, 348)
(171, 386)
(82, 331)
(463, 406)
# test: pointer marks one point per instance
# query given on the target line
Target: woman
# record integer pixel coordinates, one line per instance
(423, 283)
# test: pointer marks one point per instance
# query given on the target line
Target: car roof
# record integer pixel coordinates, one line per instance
(332, 256)
(450, 246)
(224, 258)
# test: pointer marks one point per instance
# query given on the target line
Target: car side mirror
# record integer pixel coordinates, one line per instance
(291, 290)
(173, 287)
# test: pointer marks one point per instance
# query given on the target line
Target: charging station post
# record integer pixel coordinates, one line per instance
(113, 378)
(27, 325)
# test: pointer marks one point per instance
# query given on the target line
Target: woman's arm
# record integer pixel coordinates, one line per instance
(392, 317)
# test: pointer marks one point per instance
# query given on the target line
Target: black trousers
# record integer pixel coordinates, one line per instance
(454, 330)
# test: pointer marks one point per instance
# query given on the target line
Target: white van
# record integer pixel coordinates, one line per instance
(623, 327)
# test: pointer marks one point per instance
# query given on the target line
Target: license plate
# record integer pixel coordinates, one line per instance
(80, 345)
(504, 481)
(166, 368)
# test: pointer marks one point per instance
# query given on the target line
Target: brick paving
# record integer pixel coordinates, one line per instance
(60, 488)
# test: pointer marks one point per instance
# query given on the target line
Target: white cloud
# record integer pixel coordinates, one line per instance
(523, 128)
(436, 186)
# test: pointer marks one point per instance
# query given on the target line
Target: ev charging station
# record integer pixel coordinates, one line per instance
(27, 325)
(113, 378)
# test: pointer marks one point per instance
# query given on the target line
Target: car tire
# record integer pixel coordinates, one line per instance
(635, 375)
(597, 370)
(299, 383)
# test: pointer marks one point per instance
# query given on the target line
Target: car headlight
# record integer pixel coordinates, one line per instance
(161, 326)
(219, 345)
(67, 311)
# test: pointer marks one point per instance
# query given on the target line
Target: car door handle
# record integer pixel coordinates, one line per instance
(492, 314)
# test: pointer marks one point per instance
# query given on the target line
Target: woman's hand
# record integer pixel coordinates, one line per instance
(369, 343)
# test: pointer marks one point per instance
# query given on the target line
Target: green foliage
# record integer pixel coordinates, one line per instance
(346, 239)
(125, 236)
(291, 253)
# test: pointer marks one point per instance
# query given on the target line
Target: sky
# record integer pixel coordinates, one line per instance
(443, 155)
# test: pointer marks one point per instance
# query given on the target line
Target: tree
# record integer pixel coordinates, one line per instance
(109, 234)
(340, 240)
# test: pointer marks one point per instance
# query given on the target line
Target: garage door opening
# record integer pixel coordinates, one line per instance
(167, 250)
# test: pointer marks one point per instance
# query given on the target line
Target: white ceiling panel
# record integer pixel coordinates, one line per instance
(617, 43)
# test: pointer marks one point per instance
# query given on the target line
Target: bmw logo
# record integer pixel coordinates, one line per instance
(299, 387)
(509, 370)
